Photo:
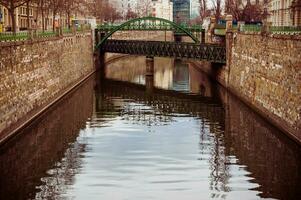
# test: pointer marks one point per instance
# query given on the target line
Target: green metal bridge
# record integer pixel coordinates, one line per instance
(210, 52)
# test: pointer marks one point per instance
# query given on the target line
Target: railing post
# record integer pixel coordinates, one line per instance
(211, 29)
(96, 35)
(57, 31)
(30, 34)
(100, 56)
(203, 37)
(229, 24)
(265, 29)
(229, 46)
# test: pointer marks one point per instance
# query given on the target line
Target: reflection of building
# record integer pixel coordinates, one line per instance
(164, 72)
(181, 11)
(181, 79)
(285, 13)
(162, 9)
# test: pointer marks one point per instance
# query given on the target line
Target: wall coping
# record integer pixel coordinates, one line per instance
(272, 35)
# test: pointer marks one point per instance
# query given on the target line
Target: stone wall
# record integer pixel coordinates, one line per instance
(266, 151)
(265, 71)
(33, 73)
(44, 143)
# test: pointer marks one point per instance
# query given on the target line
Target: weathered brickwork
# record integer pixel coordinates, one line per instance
(33, 73)
(266, 72)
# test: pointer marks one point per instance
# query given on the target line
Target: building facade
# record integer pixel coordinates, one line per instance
(181, 11)
(194, 9)
(162, 9)
(285, 12)
(124, 6)
(34, 21)
(296, 12)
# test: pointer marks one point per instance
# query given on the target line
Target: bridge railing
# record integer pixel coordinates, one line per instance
(149, 27)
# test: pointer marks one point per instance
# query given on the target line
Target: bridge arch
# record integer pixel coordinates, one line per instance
(174, 25)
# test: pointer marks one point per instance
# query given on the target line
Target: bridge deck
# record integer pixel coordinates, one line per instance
(210, 52)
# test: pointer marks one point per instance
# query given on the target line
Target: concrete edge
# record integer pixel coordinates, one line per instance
(44, 109)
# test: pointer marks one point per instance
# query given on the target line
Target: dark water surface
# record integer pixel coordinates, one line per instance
(184, 138)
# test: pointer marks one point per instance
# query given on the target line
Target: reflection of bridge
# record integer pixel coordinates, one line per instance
(166, 102)
(210, 52)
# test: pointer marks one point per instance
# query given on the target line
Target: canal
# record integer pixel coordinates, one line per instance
(176, 135)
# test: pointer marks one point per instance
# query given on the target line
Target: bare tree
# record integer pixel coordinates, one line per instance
(217, 8)
(244, 12)
(96, 8)
(69, 6)
(42, 11)
(131, 15)
(111, 14)
(55, 6)
(252, 13)
(204, 12)
(11, 6)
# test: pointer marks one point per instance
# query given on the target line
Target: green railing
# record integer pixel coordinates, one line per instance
(67, 30)
(9, 36)
(45, 34)
(26, 35)
(250, 28)
(149, 26)
(286, 29)
(272, 29)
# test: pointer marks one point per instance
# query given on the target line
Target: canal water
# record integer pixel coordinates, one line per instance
(175, 135)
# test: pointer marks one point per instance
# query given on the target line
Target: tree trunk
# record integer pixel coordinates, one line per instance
(43, 20)
(53, 20)
(68, 20)
(13, 19)
(38, 13)
(47, 17)
(28, 18)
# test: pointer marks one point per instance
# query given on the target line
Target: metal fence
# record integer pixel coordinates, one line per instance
(288, 30)
(26, 35)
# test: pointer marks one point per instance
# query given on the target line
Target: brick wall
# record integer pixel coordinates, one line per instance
(265, 71)
(34, 73)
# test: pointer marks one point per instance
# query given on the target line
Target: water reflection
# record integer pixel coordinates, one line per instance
(169, 74)
(47, 148)
(120, 140)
